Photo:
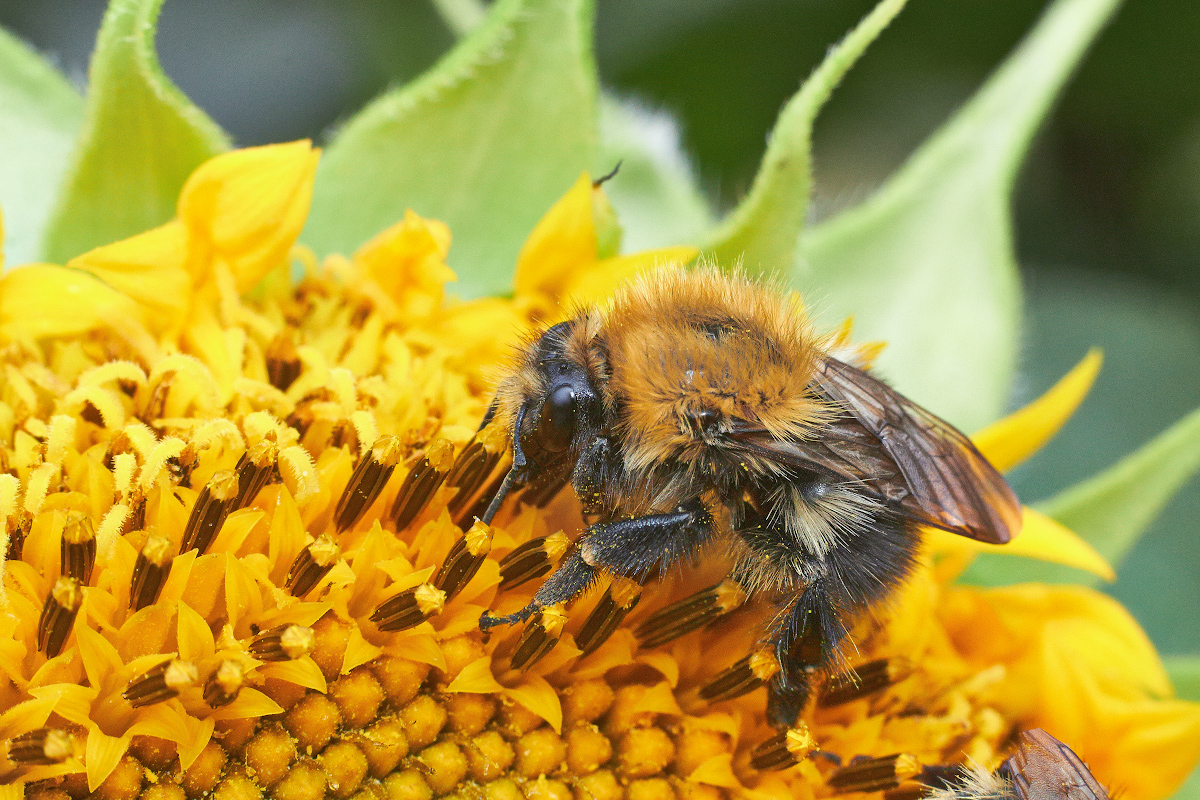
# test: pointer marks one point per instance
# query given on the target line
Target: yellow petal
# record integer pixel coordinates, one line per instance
(195, 638)
(1041, 537)
(150, 268)
(562, 242)
(476, 678)
(597, 282)
(301, 671)
(249, 703)
(46, 300)
(100, 658)
(539, 697)
(408, 257)
(102, 755)
(1009, 441)
(247, 207)
(26, 716)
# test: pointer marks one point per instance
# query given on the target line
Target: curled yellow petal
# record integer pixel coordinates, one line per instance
(1009, 441)
(1041, 537)
(596, 282)
(408, 261)
(43, 300)
(564, 239)
(150, 268)
(247, 208)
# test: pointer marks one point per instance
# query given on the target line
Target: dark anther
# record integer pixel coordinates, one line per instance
(283, 362)
(224, 684)
(874, 774)
(544, 488)
(618, 600)
(311, 564)
(785, 749)
(532, 560)
(78, 548)
(41, 747)
(409, 608)
(160, 683)
(208, 514)
(474, 464)
(283, 643)
(464, 559)
(150, 571)
(58, 615)
(421, 483)
(254, 470)
(742, 678)
(690, 613)
(539, 637)
(370, 475)
(863, 680)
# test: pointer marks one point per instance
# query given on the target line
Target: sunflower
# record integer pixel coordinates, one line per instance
(241, 557)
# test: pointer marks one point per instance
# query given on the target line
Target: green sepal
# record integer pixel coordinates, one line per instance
(761, 233)
(1110, 510)
(486, 141)
(926, 264)
(141, 139)
(42, 116)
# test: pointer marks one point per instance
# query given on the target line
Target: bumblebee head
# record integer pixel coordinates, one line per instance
(553, 405)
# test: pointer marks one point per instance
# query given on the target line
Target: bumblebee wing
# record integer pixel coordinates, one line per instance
(1046, 769)
(952, 486)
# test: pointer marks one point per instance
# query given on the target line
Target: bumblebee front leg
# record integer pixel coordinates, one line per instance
(630, 548)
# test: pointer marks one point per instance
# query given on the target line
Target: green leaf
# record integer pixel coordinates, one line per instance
(1114, 508)
(1189, 790)
(763, 229)
(927, 262)
(1110, 510)
(141, 139)
(1185, 676)
(486, 141)
(40, 115)
(654, 192)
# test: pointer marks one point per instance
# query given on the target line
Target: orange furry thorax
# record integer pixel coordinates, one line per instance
(701, 344)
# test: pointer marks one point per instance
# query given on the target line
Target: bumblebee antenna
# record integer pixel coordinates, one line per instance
(501, 493)
(514, 473)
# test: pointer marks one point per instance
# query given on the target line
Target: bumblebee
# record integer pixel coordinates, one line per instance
(1042, 769)
(698, 410)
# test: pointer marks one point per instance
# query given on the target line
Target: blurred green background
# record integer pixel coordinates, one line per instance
(1107, 207)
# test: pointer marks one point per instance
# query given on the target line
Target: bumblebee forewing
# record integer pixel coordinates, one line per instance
(1046, 769)
(950, 484)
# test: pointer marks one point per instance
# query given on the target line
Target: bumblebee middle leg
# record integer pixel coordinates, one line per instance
(806, 643)
(630, 548)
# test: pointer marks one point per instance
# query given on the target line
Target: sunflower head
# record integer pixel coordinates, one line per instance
(242, 555)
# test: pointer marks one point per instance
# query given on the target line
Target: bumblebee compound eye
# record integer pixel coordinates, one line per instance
(556, 426)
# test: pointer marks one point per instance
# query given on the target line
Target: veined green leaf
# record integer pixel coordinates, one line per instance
(762, 231)
(927, 262)
(486, 141)
(141, 139)
(654, 192)
(40, 115)
(1110, 510)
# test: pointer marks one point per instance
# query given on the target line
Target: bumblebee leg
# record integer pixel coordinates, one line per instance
(630, 548)
(806, 643)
